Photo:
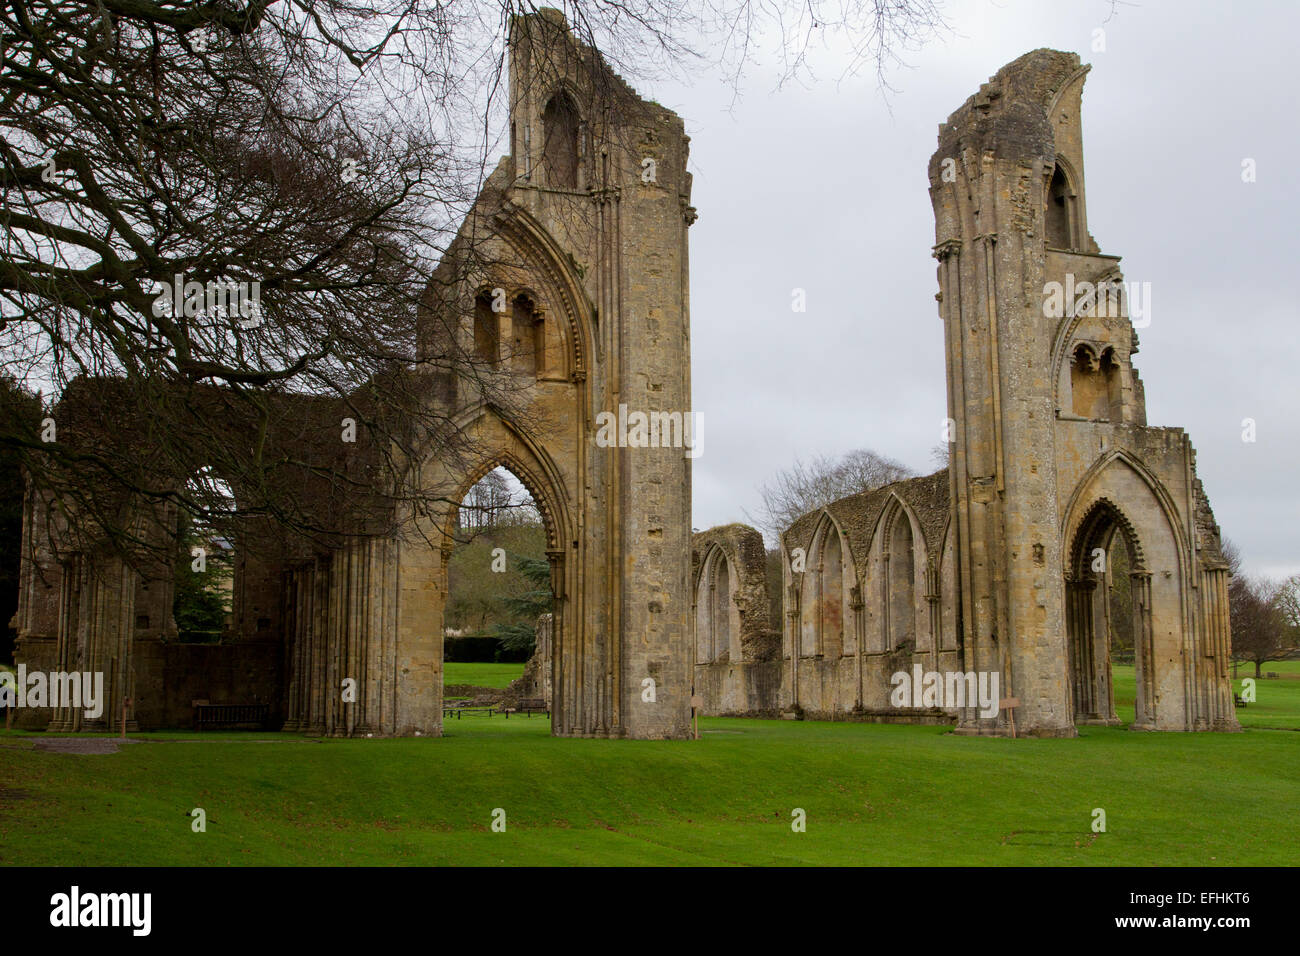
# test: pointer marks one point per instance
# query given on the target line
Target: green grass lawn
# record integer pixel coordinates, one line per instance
(873, 794)
(481, 675)
(1276, 705)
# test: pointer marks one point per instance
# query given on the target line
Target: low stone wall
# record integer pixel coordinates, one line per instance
(170, 677)
(242, 673)
(536, 679)
(743, 689)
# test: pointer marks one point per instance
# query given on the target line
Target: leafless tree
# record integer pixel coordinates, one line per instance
(806, 487)
(493, 501)
(219, 214)
(1258, 610)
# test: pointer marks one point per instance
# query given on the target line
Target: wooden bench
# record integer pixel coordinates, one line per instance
(526, 705)
(1236, 699)
(231, 716)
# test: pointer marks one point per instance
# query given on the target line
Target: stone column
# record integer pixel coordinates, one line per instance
(69, 653)
(1144, 652)
(293, 643)
(1103, 694)
(856, 604)
(1079, 631)
(314, 652)
(796, 638)
(552, 675)
(1218, 641)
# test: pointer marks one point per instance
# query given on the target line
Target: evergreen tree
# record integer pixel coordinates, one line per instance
(526, 608)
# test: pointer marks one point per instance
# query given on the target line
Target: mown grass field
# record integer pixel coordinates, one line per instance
(481, 675)
(1276, 705)
(873, 794)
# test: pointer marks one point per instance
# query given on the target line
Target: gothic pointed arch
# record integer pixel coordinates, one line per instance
(557, 288)
(562, 140)
(827, 584)
(1119, 501)
(718, 624)
(904, 560)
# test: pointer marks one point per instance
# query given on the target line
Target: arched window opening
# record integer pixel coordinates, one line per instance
(524, 335)
(821, 622)
(715, 609)
(831, 604)
(1058, 211)
(500, 605)
(721, 607)
(1094, 382)
(203, 585)
(560, 124)
(902, 583)
(487, 330)
(1110, 371)
(1119, 598)
(1105, 601)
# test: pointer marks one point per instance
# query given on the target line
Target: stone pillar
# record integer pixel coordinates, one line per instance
(1144, 652)
(988, 186)
(794, 619)
(69, 654)
(1218, 647)
(935, 608)
(1083, 670)
(294, 640)
(857, 605)
(1103, 690)
(96, 636)
(546, 642)
(314, 653)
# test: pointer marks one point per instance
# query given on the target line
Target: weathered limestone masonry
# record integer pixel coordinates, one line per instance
(870, 600)
(91, 612)
(737, 654)
(591, 255)
(583, 228)
(587, 220)
(999, 563)
(1051, 454)
(868, 591)
(85, 609)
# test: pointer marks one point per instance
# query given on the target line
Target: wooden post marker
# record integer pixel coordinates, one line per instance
(1009, 704)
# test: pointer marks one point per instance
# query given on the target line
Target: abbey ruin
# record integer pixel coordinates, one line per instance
(996, 564)
(988, 566)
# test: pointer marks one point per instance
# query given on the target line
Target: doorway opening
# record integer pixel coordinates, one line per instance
(499, 604)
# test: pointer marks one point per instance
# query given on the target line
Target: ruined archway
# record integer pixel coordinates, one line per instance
(497, 578)
(717, 617)
(826, 587)
(1119, 505)
(425, 553)
(562, 304)
(1095, 561)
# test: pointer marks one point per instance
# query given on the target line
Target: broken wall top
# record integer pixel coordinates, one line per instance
(1011, 114)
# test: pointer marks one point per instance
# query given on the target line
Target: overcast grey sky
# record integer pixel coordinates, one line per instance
(820, 187)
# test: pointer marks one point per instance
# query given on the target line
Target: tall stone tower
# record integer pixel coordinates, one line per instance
(1053, 464)
(992, 187)
(568, 284)
(587, 219)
